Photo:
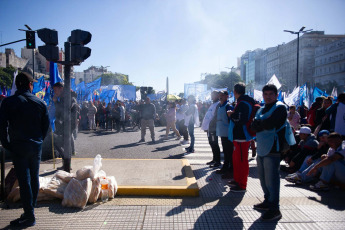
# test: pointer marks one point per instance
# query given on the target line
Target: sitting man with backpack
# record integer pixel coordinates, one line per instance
(240, 136)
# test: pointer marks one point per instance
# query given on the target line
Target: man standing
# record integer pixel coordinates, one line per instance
(336, 113)
(209, 125)
(148, 114)
(273, 133)
(222, 132)
(239, 135)
(26, 118)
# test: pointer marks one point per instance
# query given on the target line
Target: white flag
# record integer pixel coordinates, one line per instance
(14, 87)
(334, 92)
(293, 98)
(274, 81)
(258, 95)
(138, 95)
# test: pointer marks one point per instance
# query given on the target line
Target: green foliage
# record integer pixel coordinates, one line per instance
(222, 80)
(114, 79)
(181, 95)
(6, 76)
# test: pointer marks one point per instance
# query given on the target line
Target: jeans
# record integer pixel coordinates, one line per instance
(213, 141)
(27, 172)
(147, 123)
(303, 174)
(228, 148)
(334, 170)
(268, 171)
(191, 134)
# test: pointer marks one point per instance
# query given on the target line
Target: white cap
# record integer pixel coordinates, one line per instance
(305, 130)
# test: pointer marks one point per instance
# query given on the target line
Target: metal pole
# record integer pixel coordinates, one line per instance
(297, 58)
(33, 63)
(67, 109)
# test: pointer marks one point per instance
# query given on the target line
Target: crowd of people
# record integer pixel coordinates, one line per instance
(310, 141)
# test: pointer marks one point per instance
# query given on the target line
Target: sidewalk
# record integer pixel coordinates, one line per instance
(215, 208)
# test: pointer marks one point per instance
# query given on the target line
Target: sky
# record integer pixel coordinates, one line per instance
(150, 40)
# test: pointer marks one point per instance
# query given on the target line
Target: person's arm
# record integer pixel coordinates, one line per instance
(326, 161)
(276, 120)
(3, 125)
(45, 122)
(240, 114)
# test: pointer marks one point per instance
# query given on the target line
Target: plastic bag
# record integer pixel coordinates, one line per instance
(85, 172)
(64, 176)
(95, 190)
(97, 164)
(55, 188)
(77, 193)
(112, 187)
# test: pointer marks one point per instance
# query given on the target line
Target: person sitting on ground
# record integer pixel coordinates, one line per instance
(333, 165)
(310, 161)
(307, 146)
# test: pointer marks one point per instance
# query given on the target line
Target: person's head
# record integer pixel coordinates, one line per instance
(191, 99)
(223, 96)
(215, 96)
(24, 81)
(327, 102)
(147, 100)
(323, 135)
(58, 88)
(239, 89)
(334, 140)
(270, 93)
(304, 133)
(319, 100)
(292, 109)
(341, 98)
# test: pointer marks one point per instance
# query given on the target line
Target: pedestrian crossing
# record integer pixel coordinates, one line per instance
(203, 151)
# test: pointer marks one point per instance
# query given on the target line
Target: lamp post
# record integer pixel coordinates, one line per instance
(298, 32)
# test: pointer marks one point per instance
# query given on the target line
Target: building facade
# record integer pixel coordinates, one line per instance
(330, 64)
(9, 58)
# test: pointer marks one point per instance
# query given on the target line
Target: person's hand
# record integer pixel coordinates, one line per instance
(312, 172)
(309, 161)
(229, 112)
(323, 156)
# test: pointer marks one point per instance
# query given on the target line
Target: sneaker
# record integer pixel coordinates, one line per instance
(294, 179)
(23, 222)
(210, 162)
(153, 141)
(319, 186)
(237, 189)
(232, 183)
(191, 151)
(215, 165)
(291, 175)
(271, 215)
(261, 206)
(178, 138)
(142, 140)
(184, 142)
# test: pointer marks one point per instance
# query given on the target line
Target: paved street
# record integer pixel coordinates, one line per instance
(215, 208)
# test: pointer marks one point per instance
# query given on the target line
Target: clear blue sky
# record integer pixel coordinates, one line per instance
(152, 39)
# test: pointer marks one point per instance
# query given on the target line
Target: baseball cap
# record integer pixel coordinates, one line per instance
(323, 133)
(305, 130)
(224, 92)
(23, 79)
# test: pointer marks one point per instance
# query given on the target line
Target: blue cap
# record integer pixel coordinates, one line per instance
(323, 133)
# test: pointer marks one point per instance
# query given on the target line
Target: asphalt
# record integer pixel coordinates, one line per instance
(215, 207)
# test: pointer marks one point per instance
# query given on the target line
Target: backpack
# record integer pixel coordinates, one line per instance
(253, 108)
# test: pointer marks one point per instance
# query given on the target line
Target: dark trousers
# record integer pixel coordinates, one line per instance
(213, 141)
(228, 147)
(183, 130)
(27, 172)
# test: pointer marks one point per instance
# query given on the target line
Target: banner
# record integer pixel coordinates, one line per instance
(138, 95)
(274, 81)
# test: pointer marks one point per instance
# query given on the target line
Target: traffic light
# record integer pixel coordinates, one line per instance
(30, 39)
(78, 39)
(50, 50)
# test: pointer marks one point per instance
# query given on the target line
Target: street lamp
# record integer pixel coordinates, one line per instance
(298, 32)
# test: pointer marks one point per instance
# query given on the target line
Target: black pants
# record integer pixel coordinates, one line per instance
(183, 130)
(228, 148)
(213, 141)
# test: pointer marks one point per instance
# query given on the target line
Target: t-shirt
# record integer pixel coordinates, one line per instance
(340, 150)
(340, 119)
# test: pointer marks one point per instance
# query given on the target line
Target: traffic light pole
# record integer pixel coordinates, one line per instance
(67, 109)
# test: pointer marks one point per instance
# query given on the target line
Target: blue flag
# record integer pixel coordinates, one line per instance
(54, 74)
(91, 87)
(39, 85)
(73, 86)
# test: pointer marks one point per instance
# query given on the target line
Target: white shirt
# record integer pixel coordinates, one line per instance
(209, 116)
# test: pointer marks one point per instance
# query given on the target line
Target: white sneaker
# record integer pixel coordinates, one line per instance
(319, 186)
(184, 142)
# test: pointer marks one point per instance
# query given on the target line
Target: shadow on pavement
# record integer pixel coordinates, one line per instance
(165, 148)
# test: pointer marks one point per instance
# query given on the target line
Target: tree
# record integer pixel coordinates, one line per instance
(222, 80)
(114, 79)
(6, 76)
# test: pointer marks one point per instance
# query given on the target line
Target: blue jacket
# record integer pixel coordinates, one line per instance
(24, 118)
(222, 120)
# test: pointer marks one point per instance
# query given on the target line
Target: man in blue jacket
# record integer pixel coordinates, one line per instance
(24, 118)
